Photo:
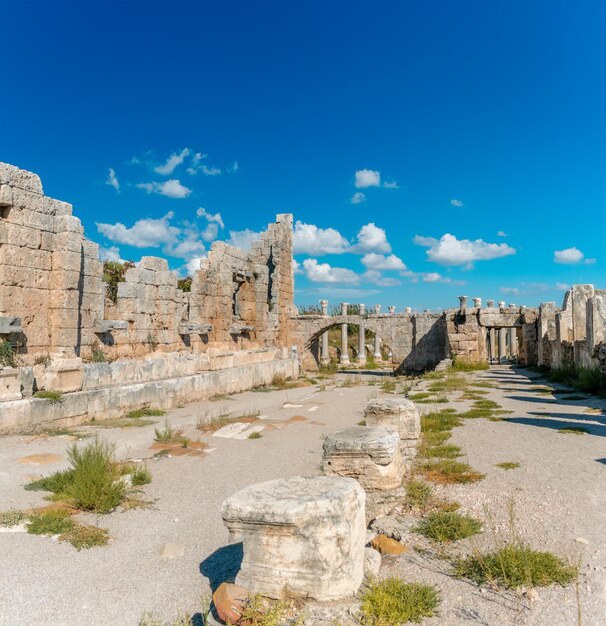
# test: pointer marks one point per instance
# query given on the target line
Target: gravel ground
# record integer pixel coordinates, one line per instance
(558, 491)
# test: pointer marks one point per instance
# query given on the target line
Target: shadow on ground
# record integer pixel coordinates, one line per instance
(222, 565)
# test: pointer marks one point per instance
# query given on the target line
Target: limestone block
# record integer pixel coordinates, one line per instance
(399, 414)
(67, 240)
(6, 195)
(10, 385)
(301, 536)
(55, 207)
(130, 290)
(370, 455)
(10, 325)
(68, 223)
(153, 263)
(25, 257)
(20, 178)
(15, 235)
(65, 376)
(33, 219)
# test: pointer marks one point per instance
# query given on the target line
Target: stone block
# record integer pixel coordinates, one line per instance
(65, 376)
(399, 414)
(153, 263)
(20, 178)
(10, 384)
(6, 195)
(370, 455)
(68, 223)
(56, 207)
(301, 536)
(10, 325)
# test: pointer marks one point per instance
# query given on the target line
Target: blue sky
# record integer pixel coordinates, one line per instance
(427, 149)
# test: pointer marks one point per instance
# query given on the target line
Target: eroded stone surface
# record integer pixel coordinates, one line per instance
(303, 536)
(370, 455)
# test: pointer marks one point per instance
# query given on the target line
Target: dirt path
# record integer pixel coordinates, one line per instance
(558, 491)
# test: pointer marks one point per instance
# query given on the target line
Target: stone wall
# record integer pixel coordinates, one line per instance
(574, 335)
(56, 312)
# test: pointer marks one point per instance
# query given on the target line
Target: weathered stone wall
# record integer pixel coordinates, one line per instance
(56, 312)
(575, 334)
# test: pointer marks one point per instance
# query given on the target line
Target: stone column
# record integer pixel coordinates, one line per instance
(408, 310)
(391, 309)
(477, 303)
(362, 337)
(344, 351)
(513, 343)
(462, 303)
(324, 355)
(490, 342)
(377, 309)
(489, 304)
(501, 304)
(502, 344)
(377, 352)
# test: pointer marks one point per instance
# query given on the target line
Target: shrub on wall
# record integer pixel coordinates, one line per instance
(113, 273)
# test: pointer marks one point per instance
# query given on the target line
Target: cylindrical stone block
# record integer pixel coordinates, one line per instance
(462, 303)
(324, 307)
(301, 536)
(391, 309)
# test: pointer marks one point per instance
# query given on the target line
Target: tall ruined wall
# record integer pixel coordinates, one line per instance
(574, 335)
(50, 275)
(53, 303)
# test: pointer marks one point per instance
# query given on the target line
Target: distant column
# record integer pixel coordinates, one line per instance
(344, 348)
(513, 342)
(502, 344)
(501, 304)
(377, 309)
(408, 310)
(377, 351)
(362, 337)
(477, 303)
(489, 304)
(324, 355)
(462, 303)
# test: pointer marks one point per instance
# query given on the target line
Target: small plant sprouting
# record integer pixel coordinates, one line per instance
(255, 435)
(53, 397)
(448, 526)
(7, 354)
(145, 412)
(508, 465)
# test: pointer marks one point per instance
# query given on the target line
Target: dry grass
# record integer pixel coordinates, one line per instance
(447, 471)
(446, 526)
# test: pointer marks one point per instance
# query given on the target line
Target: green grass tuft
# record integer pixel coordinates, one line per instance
(52, 396)
(448, 451)
(515, 565)
(255, 435)
(141, 476)
(464, 366)
(145, 412)
(573, 430)
(439, 421)
(418, 493)
(51, 522)
(447, 471)
(12, 518)
(392, 601)
(448, 526)
(508, 465)
(84, 537)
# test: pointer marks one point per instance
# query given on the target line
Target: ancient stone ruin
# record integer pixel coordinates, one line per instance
(147, 342)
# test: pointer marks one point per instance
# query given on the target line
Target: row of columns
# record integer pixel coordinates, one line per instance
(344, 358)
(477, 304)
(502, 344)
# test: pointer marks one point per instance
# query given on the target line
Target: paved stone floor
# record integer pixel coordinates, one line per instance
(558, 492)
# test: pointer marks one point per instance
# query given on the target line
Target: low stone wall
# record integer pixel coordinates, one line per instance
(111, 389)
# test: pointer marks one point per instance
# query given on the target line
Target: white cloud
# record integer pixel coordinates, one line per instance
(568, 256)
(171, 188)
(371, 238)
(392, 184)
(195, 163)
(144, 233)
(457, 203)
(358, 198)
(511, 291)
(367, 178)
(296, 266)
(325, 273)
(242, 239)
(562, 286)
(375, 261)
(375, 277)
(337, 292)
(111, 253)
(309, 239)
(501, 233)
(112, 179)
(187, 249)
(210, 233)
(210, 171)
(192, 266)
(173, 161)
(430, 277)
(452, 251)
(235, 166)
(211, 217)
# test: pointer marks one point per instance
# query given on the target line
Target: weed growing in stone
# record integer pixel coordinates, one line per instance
(120, 422)
(168, 434)
(51, 522)
(439, 421)
(7, 354)
(140, 475)
(255, 435)
(418, 494)
(52, 396)
(464, 366)
(416, 397)
(145, 412)
(446, 526)
(393, 601)
(388, 385)
(84, 537)
(446, 451)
